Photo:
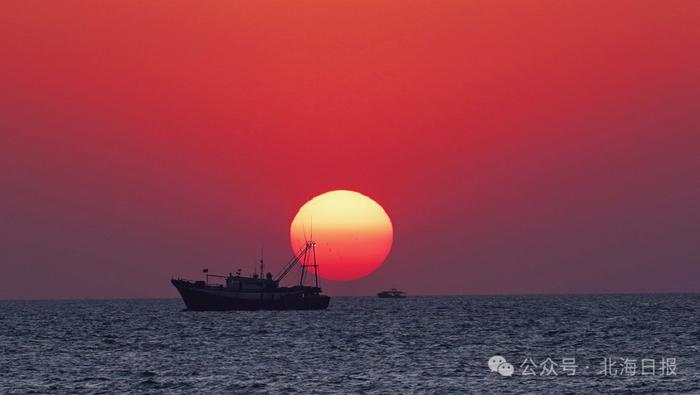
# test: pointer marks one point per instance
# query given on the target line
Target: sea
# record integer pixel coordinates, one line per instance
(443, 345)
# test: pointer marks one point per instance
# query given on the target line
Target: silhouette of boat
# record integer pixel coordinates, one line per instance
(392, 293)
(256, 292)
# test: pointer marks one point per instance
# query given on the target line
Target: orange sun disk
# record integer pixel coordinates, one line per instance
(353, 234)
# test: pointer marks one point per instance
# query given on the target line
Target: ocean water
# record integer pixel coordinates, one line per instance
(359, 345)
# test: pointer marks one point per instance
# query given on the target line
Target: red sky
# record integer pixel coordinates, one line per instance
(524, 146)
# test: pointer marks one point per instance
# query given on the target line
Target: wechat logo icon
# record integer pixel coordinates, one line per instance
(499, 364)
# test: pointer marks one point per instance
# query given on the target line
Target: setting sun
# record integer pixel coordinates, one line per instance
(353, 233)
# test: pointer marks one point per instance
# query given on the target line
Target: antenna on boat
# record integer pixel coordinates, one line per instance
(262, 265)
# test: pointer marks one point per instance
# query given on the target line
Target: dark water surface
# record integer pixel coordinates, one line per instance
(358, 345)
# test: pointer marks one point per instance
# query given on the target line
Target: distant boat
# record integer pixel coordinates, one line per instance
(392, 293)
(256, 292)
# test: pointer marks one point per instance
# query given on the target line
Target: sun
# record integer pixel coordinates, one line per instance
(353, 234)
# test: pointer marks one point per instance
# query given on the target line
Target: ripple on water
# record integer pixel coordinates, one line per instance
(420, 344)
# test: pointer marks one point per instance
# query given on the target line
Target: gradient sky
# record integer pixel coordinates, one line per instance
(519, 147)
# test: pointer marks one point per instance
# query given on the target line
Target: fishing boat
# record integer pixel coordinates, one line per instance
(257, 292)
(392, 293)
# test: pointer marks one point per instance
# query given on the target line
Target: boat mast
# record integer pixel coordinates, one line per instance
(315, 264)
(312, 244)
(308, 245)
(303, 259)
(262, 266)
(296, 260)
(308, 256)
(303, 264)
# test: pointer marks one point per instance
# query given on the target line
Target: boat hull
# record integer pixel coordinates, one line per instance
(209, 298)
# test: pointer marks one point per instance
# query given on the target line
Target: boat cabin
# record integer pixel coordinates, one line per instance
(254, 283)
